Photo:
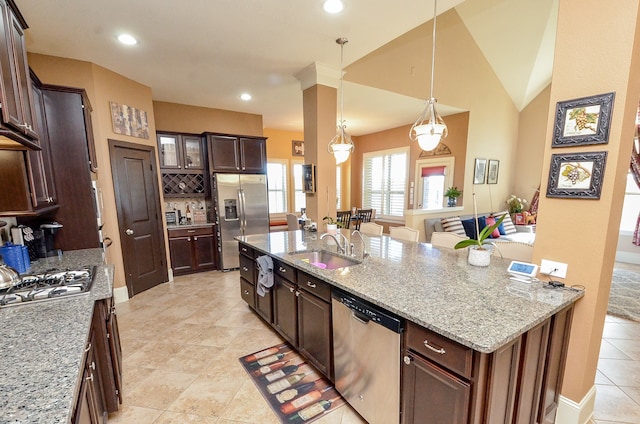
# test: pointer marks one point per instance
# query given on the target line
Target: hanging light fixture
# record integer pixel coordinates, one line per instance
(429, 134)
(341, 145)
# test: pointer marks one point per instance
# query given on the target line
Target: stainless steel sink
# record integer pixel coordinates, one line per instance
(323, 259)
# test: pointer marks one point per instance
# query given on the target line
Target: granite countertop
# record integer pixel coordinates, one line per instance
(434, 287)
(43, 344)
(195, 225)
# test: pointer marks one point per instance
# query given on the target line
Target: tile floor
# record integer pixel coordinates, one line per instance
(181, 350)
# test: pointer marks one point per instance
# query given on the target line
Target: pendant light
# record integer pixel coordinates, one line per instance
(341, 145)
(429, 134)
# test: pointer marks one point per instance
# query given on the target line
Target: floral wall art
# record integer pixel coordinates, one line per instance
(128, 120)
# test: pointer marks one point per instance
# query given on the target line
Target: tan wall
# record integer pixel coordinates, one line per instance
(584, 233)
(195, 119)
(279, 143)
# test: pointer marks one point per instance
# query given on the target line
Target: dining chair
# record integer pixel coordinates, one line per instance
(371, 229)
(363, 215)
(446, 239)
(292, 222)
(343, 218)
(404, 233)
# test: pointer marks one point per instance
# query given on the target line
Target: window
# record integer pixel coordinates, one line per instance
(631, 205)
(433, 177)
(384, 181)
(299, 198)
(277, 183)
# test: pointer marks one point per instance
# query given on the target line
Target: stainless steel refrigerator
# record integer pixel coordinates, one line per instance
(243, 209)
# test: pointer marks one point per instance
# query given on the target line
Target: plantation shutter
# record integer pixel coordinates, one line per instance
(384, 182)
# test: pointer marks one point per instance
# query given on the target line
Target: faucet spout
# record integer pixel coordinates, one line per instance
(364, 245)
(340, 247)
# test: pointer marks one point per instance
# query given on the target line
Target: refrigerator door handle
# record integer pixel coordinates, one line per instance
(243, 212)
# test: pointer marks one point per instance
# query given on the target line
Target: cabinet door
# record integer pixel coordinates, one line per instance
(431, 395)
(90, 406)
(253, 154)
(181, 256)
(192, 152)
(40, 168)
(224, 154)
(285, 309)
(314, 331)
(113, 389)
(264, 306)
(10, 97)
(25, 96)
(204, 250)
(169, 150)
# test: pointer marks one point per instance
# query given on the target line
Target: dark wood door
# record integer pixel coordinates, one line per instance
(135, 182)
(432, 395)
(314, 331)
(285, 309)
(253, 154)
(181, 255)
(264, 306)
(224, 154)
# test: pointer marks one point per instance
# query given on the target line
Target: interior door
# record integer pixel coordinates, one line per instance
(135, 182)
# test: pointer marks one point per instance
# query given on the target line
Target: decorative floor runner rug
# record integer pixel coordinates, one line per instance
(295, 390)
(624, 299)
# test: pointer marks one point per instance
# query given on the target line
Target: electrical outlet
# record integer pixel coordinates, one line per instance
(553, 269)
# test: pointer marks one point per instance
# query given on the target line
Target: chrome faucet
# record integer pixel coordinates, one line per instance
(340, 248)
(364, 245)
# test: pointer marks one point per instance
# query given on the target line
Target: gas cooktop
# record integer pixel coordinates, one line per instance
(48, 285)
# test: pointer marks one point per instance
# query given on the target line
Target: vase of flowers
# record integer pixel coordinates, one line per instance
(479, 252)
(516, 205)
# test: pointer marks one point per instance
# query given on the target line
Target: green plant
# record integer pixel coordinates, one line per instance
(330, 220)
(453, 192)
(482, 235)
(516, 204)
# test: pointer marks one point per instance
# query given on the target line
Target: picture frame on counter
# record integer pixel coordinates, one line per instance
(479, 171)
(577, 175)
(583, 121)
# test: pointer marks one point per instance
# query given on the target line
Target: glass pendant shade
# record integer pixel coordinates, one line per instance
(429, 134)
(341, 145)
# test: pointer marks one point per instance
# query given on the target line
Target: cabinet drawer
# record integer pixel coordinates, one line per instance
(285, 271)
(190, 232)
(314, 286)
(443, 351)
(247, 292)
(247, 269)
(243, 249)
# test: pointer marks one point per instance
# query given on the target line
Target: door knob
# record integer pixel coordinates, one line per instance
(129, 232)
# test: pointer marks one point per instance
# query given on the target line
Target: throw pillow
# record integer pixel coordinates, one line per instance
(470, 226)
(507, 224)
(490, 220)
(453, 224)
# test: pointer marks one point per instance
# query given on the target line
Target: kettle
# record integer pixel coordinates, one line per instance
(8, 275)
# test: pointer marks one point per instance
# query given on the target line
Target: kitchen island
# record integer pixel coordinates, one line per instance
(44, 344)
(509, 337)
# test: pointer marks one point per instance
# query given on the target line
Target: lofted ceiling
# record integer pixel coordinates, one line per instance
(208, 52)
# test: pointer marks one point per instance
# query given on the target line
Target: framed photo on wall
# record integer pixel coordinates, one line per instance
(492, 174)
(308, 178)
(297, 148)
(577, 175)
(583, 121)
(480, 171)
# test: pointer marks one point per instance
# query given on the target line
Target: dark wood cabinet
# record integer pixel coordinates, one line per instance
(90, 406)
(180, 151)
(263, 305)
(285, 309)
(192, 249)
(108, 352)
(16, 96)
(229, 153)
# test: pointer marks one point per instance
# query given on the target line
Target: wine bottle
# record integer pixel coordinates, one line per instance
(269, 368)
(266, 360)
(263, 353)
(311, 411)
(291, 393)
(290, 369)
(284, 383)
(302, 401)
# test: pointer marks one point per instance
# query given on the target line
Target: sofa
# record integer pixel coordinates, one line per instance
(515, 233)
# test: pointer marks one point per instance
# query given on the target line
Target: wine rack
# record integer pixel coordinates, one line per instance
(183, 185)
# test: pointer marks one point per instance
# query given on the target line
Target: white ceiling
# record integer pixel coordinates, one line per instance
(208, 52)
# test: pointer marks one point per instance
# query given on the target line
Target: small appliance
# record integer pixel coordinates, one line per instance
(47, 246)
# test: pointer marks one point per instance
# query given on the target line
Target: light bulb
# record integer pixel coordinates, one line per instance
(333, 6)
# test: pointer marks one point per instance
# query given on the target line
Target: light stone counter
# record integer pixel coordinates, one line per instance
(42, 346)
(433, 287)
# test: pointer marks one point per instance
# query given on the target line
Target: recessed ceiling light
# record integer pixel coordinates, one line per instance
(245, 96)
(127, 39)
(333, 6)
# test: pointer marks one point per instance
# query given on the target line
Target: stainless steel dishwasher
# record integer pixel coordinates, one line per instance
(366, 348)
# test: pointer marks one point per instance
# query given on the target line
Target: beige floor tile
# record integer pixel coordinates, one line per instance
(609, 349)
(248, 404)
(207, 396)
(134, 414)
(630, 348)
(159, 389)
(617, 330)
(169, 417)
(218, 336)
(191, 359)
(251, 340)
(621, 372)
(633, 393)
(602, 379)
(154, 354)
(132, 376)
(612, 404)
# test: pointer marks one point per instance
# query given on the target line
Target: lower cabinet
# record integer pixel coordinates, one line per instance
(90, 408)
(192, 250)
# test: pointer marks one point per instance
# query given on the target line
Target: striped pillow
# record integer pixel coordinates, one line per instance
(507, 224)
(453, 224)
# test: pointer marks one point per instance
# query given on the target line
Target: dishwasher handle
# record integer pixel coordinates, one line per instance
(360, 317)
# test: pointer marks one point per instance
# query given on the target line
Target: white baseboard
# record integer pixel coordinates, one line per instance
(170, 273)
(570, 412)
(120, 294)
(628, 257)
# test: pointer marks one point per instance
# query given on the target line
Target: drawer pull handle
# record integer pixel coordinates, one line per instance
(246, 292)
(441, 350)
(244, 249)
(407, 360)
(291, 289)
(281, 269)
(191, 231)
(90, 378)
(297, 293)
(310, 284)
(245, 269)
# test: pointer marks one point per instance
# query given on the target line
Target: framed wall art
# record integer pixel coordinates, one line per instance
(577, 175)
(480, 171)
(128, 120)
(297, 148)
(308, 178)
(583, 121)
(492, 174)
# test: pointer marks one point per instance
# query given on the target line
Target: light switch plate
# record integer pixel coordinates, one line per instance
(553, 269)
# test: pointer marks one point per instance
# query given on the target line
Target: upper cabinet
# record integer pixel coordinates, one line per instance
(180, 151)
(18, 122)
(228, 153)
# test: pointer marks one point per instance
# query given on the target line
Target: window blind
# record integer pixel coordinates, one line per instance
(277, 186)
(384, 182)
